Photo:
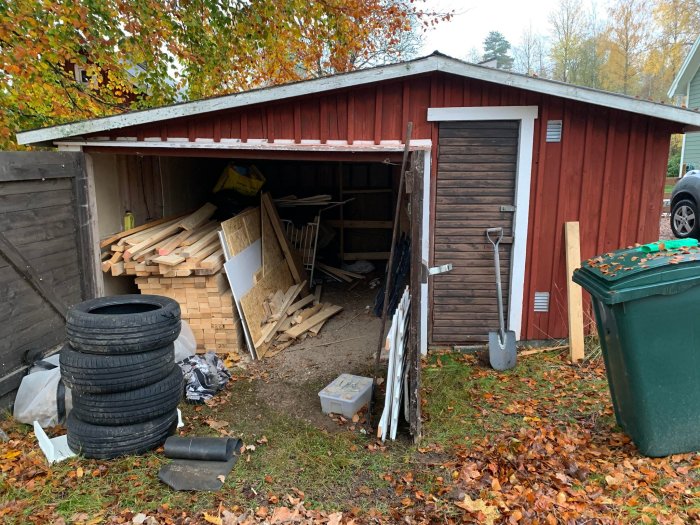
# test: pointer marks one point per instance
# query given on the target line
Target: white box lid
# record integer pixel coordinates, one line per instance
(347, 387)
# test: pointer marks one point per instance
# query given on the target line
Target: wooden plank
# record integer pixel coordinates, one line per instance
(288, 300)
(206, 251)
(117, 269)
(317, 293)
(212, 237)
(324, 314)
(143, 246)
(301, 303)
(340, 271)
(169, 260)
(295, 268)
(335, 274)
(215, 260)
(305, 314)
(573, 291)
(170, 244)
(198, 218)
(117, 236)
(38, 165)
(200, 232)
(26, 270)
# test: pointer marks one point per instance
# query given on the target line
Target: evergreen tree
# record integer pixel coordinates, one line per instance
(496, 48)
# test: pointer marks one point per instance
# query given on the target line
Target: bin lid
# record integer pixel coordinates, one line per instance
(638, 272)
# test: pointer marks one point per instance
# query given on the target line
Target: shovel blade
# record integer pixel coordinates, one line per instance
(502, 354)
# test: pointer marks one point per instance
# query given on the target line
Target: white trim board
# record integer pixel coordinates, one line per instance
(526, 115)
(425, 253)
(390, 147)
(433, 63)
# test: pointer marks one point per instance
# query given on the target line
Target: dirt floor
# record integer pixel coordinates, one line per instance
(346, 344)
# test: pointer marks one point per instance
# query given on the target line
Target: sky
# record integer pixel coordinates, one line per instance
(475, 18)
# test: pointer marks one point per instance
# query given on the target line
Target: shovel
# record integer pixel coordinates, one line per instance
(502, 343)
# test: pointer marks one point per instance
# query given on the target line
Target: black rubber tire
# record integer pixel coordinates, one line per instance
(694, 230)
(106, 442)
(106, 374)
(135, 406)
(123, 324)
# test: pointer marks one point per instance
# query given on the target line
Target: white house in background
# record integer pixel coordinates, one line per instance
(686, 86)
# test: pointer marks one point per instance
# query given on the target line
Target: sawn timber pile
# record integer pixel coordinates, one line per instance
(171, 247)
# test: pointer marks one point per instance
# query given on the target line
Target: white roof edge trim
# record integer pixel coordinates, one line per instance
(416, 145)
(307, 87)
(686, 72)
(364, 76)
(573, 92)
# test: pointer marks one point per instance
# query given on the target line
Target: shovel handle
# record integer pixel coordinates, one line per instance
(498, 231)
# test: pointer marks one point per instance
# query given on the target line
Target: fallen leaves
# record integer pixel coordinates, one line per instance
(484, 512)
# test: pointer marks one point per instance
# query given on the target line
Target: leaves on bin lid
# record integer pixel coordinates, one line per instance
(622, 263)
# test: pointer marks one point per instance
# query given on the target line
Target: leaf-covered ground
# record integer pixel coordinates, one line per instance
(534, 445)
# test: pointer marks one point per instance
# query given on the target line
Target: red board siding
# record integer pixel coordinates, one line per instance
(607, 172)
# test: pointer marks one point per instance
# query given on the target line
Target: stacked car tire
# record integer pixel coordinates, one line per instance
(119, 363)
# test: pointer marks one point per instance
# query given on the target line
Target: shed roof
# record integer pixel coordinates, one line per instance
(690, 66)
(436, 62)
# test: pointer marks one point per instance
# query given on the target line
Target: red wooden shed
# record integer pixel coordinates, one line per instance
(497, 149)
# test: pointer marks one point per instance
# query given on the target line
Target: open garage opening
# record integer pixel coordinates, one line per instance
(353, 204)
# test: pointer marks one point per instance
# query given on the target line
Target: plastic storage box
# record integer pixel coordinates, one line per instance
(346, 395)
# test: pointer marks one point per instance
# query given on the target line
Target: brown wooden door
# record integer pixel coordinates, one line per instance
(475, 185)
(45, 255)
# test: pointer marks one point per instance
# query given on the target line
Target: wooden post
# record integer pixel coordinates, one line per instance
(575, 300)
(413, 360)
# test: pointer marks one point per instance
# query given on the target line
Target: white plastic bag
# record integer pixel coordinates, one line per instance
(185, 344)
(38, 396)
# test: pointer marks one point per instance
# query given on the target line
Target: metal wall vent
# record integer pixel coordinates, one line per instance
(554, 131)
(541, 301)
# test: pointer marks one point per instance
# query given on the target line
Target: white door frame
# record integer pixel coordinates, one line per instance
(526, 115)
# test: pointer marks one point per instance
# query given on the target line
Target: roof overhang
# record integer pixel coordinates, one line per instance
(430, 64)
(687, 72)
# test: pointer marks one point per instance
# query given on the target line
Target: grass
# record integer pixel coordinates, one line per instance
(336, 470)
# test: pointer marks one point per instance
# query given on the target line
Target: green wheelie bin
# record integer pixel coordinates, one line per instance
(646, 302)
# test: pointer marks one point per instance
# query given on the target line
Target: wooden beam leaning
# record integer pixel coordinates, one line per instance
(294, 268)
(13, 256)
(573, 291)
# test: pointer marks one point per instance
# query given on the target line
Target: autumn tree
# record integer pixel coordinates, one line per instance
(138, 53)
(529, 56)
(677, 26)
(567, 24)
(626, 43)
(496, 47)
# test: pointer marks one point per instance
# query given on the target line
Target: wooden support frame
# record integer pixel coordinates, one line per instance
(416, 279)
(573, 291)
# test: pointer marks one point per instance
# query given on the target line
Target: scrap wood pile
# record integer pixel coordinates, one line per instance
(172, 247)
(290, 317)
(269, 282)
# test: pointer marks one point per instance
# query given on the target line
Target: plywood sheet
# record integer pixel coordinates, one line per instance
(278, 278)
(242, 230)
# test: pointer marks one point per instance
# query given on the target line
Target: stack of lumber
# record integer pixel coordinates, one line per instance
(291, 317)
(171, 247)
(292, 200)
(206, 304)
(338, 274)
